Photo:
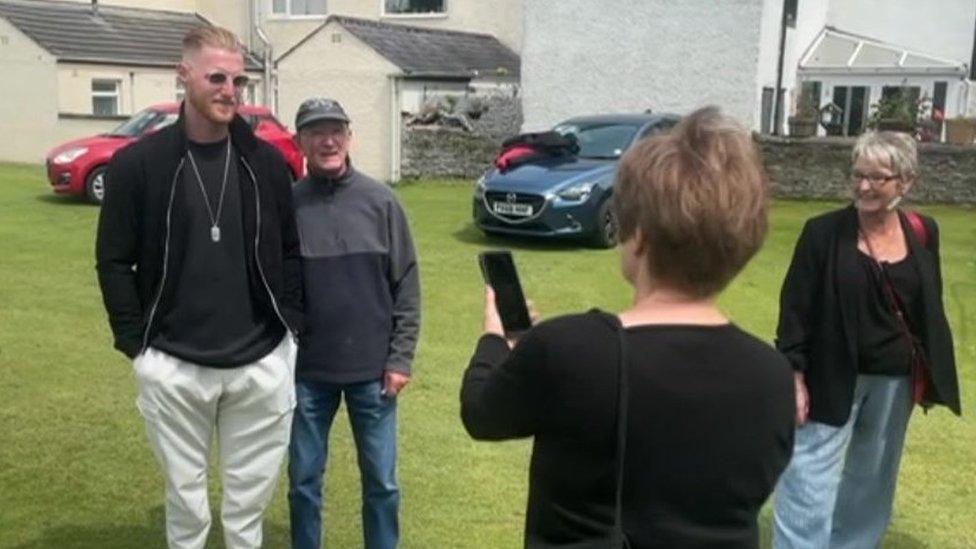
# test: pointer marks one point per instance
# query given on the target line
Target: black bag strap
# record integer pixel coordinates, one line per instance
(623, 397)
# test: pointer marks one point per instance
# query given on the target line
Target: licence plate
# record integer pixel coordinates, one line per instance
(507, 208)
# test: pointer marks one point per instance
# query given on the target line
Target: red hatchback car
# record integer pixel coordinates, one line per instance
(78, 167)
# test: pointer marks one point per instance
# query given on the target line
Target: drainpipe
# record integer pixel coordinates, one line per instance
(396, 127)
(269, 85)
(778, 99)
(132, 92)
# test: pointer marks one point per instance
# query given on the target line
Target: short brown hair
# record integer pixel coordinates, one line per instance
(210, 35)
(697, 195)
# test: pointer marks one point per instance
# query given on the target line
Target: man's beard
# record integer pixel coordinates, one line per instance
(208, 108)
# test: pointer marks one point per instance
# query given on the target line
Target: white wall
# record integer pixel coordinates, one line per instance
(585, 57)
(810, 19)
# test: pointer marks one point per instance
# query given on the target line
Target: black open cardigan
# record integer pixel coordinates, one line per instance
(817, 328)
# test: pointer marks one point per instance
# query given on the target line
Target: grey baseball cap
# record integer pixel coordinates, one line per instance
(317, 109)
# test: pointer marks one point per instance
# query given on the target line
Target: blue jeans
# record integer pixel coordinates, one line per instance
(373, 418)
(838, 489)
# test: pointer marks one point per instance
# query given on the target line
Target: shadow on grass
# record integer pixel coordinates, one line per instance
(64, 200)
(149, 535)
(472, 235)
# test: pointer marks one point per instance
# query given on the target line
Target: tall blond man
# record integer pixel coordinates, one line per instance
(198, 262)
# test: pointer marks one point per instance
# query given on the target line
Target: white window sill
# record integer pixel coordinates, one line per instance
(431, 15)
(281, 17)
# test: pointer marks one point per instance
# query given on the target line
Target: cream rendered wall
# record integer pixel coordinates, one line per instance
(500, 18)
(28, 111)
(141, 86)
(232, 14)
(336, 64)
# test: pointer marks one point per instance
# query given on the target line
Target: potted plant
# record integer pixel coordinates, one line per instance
(897, 112)
(803, 123)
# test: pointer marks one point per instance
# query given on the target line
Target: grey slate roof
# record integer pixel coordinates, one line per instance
(421, 51)
(73, 31)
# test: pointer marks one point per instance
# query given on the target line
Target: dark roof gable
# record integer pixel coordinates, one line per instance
(420, 51)
(75, 31)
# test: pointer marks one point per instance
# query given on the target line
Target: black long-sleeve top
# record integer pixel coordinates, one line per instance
(710, 428)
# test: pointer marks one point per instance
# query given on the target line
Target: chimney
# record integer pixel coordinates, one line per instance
(94, 7)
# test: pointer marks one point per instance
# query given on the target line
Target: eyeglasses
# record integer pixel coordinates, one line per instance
(875, 179)
(220, 78)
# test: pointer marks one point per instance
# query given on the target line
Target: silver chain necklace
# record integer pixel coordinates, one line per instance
(214, 220)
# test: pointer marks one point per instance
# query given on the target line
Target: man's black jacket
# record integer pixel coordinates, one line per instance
(137, 259)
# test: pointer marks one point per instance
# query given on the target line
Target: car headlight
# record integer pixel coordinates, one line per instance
(479, 187)
(577, 192)
(69, 155)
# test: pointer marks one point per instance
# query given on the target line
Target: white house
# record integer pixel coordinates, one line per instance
(630, 55)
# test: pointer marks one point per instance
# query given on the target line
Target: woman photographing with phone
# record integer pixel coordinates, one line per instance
(664, 425)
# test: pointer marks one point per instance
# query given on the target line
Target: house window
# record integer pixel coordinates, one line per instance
(105, 97)
(298, 8)
(397, 7)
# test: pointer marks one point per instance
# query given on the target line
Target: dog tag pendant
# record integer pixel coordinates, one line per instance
(215, 233)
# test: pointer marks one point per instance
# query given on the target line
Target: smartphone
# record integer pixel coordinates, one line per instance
(498, 268)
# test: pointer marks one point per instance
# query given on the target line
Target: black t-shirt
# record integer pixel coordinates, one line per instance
(882, 347)
(213, 320)
(710, 428)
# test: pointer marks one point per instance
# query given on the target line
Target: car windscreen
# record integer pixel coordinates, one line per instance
(143, 121)
(600, 140)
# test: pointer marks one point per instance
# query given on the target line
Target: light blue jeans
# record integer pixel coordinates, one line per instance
(373, 418)
(838, 489)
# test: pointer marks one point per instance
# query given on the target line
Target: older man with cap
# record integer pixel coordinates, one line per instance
(362, 297)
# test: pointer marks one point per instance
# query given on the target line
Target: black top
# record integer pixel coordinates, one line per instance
(882, 346)
(818, 317)
(710, 428)
(213, 321)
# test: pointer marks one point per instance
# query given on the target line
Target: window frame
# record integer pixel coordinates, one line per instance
(98, 94)
(415, 15)
(288, 15)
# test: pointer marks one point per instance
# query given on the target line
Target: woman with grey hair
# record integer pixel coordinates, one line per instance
(862, 323)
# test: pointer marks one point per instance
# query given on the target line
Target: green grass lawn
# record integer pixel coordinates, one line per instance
(76, 472)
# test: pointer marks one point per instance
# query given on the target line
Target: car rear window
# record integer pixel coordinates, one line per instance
(607, 140)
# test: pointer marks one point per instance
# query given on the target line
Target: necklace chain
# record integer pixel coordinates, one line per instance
(214, 219)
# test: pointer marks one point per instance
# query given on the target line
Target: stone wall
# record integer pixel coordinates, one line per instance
(818, 168)
(438, 151)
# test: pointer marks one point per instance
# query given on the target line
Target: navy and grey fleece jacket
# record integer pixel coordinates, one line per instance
(362, 287)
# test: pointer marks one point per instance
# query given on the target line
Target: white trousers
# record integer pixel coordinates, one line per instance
(249, 407)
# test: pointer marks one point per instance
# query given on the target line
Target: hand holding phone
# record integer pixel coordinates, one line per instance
(498, 269)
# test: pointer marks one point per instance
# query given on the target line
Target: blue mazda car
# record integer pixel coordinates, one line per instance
(565, 195)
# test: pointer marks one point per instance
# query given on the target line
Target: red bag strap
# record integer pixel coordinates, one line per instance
(915, 221)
